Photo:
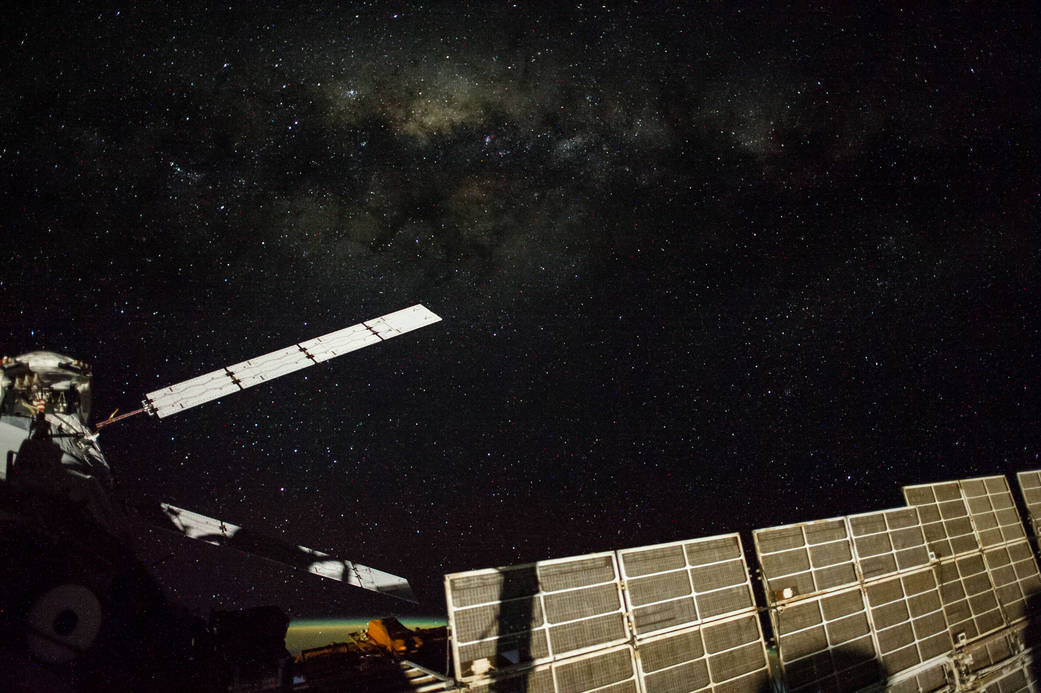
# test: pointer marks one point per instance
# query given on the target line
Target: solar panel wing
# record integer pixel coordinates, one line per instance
(219, 533)
(930, 597)
(999, 571)
(886, 617)
(224, 381)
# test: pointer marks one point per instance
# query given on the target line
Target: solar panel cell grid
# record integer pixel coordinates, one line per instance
(969, 602)
(526, 614)
(579, 635)
(945, 518)
(672, 585)
(653, 560)
(656, 588)
(888, 541)
(613, 668)
(803, 559)
(573, 573)
(908, 618)
(723, 655)
(724, 601)
(713, 549)
(823, 639)
(576, 604)
(1014, 573)
(538, 681)
(993, 510)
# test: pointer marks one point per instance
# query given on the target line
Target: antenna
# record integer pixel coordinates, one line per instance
(206, 388)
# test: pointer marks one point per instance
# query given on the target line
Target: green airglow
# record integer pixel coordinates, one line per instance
(310, 633)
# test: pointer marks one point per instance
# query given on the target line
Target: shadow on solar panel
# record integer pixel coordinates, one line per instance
(508, 619)
(941, 595)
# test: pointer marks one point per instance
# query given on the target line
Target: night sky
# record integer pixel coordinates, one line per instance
(701, 268)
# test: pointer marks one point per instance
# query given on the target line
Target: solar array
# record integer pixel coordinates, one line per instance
(852, 599)
(216, 384)
(219, 533)
(642, 619)
(933, 596)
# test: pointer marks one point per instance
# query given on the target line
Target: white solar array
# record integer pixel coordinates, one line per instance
(214, 385)
(220, 533)
(677, 616)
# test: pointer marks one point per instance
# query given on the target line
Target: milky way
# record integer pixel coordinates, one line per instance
(699, 271)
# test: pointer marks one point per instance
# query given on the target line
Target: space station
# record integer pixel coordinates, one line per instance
(940, 594)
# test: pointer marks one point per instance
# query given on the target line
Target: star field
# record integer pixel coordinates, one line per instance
(700, 270)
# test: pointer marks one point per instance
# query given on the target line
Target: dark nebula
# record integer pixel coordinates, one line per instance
(701, 270)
